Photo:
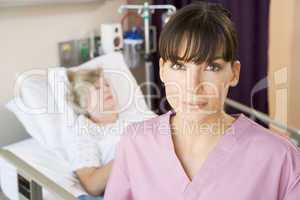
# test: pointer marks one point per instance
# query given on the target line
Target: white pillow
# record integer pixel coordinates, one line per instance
(31, 109)
(50, 121)
(129, 95)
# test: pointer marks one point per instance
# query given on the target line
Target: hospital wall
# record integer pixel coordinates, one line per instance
(294, 79)
(28, 39)
(284, 62)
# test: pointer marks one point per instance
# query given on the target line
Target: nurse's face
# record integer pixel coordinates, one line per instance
(197, 90)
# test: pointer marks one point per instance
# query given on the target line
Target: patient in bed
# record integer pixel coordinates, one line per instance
(92, 98)
(82, 113)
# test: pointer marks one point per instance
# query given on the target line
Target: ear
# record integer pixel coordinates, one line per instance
(161, 70)
(236, 68)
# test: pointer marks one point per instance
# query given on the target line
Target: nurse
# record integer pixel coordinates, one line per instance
(197, 151)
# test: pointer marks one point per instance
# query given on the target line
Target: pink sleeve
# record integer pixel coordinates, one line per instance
(118, 186)
(293, 188)
(294, 192)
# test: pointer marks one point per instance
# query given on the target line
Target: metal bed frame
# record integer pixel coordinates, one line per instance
(31, 181)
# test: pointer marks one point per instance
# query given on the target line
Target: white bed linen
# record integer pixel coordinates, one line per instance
(45, 162)
(46, 115)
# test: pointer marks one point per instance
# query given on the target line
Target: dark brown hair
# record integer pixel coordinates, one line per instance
(198, 33)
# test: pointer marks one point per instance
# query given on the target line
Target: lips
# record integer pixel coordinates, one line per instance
(109, 97)
(196, 104)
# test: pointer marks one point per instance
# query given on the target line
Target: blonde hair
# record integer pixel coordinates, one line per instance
(80, 82)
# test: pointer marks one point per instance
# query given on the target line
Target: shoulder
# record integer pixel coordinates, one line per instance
(270, 143)
(269, 137)
(279, 153)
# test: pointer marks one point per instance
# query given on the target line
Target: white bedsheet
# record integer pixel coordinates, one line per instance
(44, 161)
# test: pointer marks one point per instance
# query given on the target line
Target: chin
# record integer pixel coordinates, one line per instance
(105, 118)
(195, 113)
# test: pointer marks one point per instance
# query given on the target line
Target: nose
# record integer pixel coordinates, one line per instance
(194, 80)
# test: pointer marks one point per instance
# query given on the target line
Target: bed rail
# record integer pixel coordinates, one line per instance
(294, 134)
(31, 182)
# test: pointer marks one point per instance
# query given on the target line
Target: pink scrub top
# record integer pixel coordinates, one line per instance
(248, 163)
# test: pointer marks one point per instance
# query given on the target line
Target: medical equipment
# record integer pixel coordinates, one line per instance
(132, 49)
(78, 51)
(133, 41)
(145, 10)
(74, 52)
(111, 37)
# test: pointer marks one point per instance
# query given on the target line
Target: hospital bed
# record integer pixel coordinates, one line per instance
(35, 169)
(29, 171)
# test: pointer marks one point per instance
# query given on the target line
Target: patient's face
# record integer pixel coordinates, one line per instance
(102, 106)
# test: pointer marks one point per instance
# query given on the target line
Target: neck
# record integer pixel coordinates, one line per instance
(104, 119)
(205, 130)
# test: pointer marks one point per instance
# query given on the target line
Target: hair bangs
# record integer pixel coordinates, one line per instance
(197, 37)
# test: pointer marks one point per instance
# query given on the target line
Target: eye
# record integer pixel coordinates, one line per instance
(213, 67)
(178, 67)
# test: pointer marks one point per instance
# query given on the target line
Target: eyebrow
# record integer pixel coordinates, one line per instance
(181, 62)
